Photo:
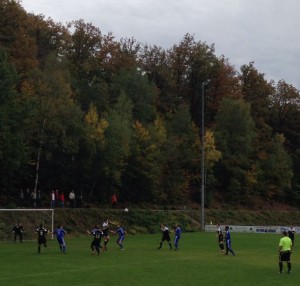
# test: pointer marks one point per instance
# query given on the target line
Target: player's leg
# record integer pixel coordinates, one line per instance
(97, 247)
(64, 247)
(227, 247)
(160, 245)
(289, 264)
(280, 264)
(221, 245)
(169, 242)
(121, 243)
(231, 251)
(60, 244)
(106, 242)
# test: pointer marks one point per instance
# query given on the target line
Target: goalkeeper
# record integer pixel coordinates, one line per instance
(18, 230)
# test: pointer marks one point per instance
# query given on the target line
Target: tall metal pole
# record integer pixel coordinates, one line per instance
(203, 159)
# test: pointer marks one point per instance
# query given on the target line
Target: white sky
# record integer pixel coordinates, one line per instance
(264, 31)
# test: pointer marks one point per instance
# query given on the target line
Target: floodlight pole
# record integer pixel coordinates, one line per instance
(205, 83)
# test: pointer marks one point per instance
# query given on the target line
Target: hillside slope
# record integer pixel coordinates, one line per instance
(77, 221)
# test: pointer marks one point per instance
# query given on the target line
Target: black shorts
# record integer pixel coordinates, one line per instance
(96, 243)
(42, 240)
(285, 256)
(166, 237)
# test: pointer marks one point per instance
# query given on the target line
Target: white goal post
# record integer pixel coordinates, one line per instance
(35, 210)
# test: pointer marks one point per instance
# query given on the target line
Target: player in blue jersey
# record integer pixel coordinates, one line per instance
(60, 233)
(165, 236)
(42, 233)
(95, 245)
(228, 241)
(177, 236)
(121, 232)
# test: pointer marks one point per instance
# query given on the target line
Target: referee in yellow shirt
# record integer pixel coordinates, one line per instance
(285, 251)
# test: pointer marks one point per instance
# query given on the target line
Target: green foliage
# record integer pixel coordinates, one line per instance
(13, 149)
(234, 133)
(118, 139)
(142, 94)
(277, 170)
(81, 110)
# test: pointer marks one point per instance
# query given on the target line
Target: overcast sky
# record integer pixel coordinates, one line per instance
(264, 31)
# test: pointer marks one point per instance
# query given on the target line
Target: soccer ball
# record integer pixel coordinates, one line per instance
(126, 210)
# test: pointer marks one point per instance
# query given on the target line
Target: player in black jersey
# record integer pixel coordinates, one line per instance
(220, 237)
(18, 230)
(105, 228)
(95, 244)
(42, 233)
(165, 236)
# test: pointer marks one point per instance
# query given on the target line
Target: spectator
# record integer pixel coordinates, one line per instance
(80, 201)
(38, 199)
(62, 200)
(113, 201)
(33, 198)
(52, 200)
(57, 198)
(21, 196)
(72, 199)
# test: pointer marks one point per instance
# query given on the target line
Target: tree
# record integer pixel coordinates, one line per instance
(141, 181)
(285, 120)
(13, 148)
(117, 144)
(15, 36)
(285, 109)
(141, 93)
(234, 132)
(57, 127)
(277, 174)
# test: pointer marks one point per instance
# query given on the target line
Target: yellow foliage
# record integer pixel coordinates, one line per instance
(97, 126)
(27, 89)
(141, 131)
(212, 155)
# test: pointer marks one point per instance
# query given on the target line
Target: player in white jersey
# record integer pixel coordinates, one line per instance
(105, 228)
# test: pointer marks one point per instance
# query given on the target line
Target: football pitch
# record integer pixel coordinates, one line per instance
(198, 262)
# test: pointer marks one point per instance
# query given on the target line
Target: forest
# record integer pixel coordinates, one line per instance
(82, 111)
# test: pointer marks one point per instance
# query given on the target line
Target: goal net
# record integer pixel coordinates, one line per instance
(29, 218)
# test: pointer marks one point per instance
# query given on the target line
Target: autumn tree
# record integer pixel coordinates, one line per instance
(117, 145)
(57, 125)
(234, 131)
(142, 179)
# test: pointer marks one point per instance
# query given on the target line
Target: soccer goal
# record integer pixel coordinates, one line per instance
(29, 218)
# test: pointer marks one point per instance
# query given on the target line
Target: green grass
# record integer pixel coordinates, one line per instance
(198, 262)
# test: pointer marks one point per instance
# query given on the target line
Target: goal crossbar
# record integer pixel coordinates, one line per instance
(35, 210)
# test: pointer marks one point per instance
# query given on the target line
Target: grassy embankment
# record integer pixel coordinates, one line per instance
(77, 221)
